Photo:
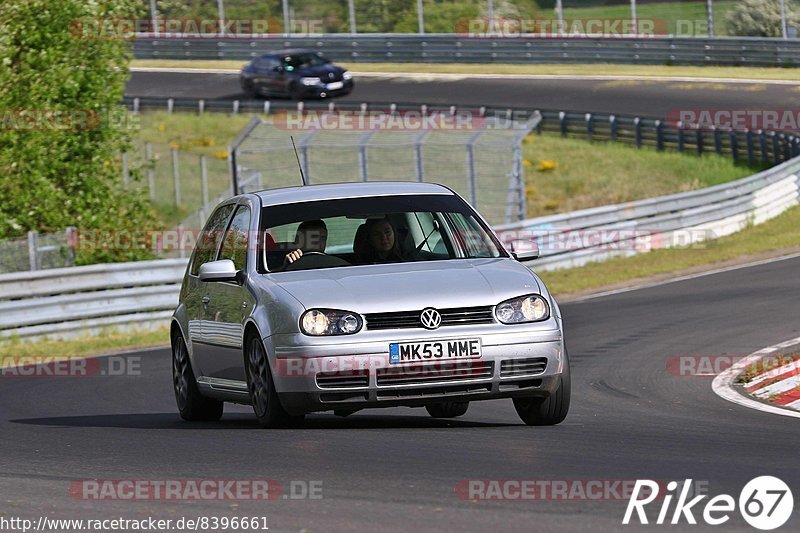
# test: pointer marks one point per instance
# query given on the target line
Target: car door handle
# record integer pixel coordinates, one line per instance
(205, 300)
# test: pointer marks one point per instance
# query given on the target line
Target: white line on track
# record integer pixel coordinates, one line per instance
(460, 76)
(723, 383)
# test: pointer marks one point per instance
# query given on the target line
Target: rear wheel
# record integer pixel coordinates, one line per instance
(191, 404)
(447, 409)
(266, 404)
(547, 411)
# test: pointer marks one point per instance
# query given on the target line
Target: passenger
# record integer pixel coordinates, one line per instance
(380, 244)
(311, 236)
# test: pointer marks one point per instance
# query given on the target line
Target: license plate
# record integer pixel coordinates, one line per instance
(407, 352)
(335, 85)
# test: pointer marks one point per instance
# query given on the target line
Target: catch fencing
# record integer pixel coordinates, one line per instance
(38, 251)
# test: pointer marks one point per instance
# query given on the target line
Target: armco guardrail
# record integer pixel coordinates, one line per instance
(452, 48)
(70, 301)
(64, 302)
(576, 238)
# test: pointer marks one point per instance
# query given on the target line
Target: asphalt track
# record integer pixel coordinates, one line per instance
(398, 469)
(645, 98)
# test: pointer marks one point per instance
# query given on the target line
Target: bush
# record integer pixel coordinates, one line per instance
(62, 126)
(759, 18)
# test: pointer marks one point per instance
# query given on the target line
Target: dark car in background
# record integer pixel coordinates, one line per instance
(295, 74)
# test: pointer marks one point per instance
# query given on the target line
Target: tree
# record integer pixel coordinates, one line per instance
(63, 128)
(760, 18)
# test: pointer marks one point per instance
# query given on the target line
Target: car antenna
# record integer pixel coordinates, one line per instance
(302, 176)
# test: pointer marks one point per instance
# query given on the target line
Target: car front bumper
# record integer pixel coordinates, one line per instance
(346, 375)
(322, 90)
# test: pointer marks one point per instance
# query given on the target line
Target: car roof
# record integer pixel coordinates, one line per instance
(334, 191)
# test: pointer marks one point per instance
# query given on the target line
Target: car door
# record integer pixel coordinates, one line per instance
(227, 305)
(206, 250)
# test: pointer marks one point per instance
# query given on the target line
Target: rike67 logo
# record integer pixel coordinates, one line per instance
(765, 503)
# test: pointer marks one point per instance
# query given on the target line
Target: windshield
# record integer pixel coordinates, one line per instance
(375, 230)
(299, 61)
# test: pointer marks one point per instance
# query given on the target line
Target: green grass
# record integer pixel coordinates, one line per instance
(597, 69)
(778, 234)
(668, 12)
(590, 174)
(107, 342)
(765, 364)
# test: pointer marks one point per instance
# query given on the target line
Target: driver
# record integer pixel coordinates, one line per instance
(311, 236)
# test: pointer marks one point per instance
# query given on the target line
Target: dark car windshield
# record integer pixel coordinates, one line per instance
(384, 229)
(299, 61)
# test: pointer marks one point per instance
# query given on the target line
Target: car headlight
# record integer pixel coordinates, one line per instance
(309, 81)
(319, 322)
(532, 308)
(346, 75)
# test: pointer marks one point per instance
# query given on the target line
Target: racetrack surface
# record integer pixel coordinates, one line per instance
(646, 98)
(397, 469)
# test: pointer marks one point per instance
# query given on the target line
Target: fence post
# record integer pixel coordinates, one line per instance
(734, 145)
(204, 179)
(170, 104)
(776, 148)
(562, 122)
(637, 122)
(418, 166)
(612, 121)
(659, 136)
(750, 150)
(698, 136)
(32, 260)
(717, 140)
(473, 187)
(176, 177)
(362, 155)
(762, 144)
(151, 177)
(681, 141)
(589, 126)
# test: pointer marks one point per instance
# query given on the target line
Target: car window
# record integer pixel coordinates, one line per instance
(267, 63)
(210, 238)
(293, 62)
(234, 245)
(371, 230)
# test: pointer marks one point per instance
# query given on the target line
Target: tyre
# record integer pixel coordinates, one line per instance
(547, 411)
(266, 404)
(447, 409)
(191, 404)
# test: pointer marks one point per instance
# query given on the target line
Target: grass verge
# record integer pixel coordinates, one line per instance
(111, 341)
(765, 364)
(578, 69)
(779, 234)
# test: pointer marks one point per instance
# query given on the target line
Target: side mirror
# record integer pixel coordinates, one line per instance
(222, 270)
(524, 250)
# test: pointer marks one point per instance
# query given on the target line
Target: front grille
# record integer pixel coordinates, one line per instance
(336, 380)
(434, 373)
(438, 391)
(458, 316)
(522, 367)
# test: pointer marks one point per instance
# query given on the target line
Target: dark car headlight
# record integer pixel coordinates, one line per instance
(320, 322)
(531, 308)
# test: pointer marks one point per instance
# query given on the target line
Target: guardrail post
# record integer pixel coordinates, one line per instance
(170, 104)
(750, 149)
(659, 136)
(681, 140)
(418, 162)
(136, 105)
(717, 140)
(538, 128)
(236, 107)
(151, 177)
(562, 123)
(204, 179)
(176, 178)
(637, 122)
(734, 145)
(698, 136)
(201, 106)
(32, 260)
(612, 125)
(589, 126)
(762, 144)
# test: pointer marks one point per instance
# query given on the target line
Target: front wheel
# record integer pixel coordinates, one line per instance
(547, 411)
(266, 404)
(447, 409)
(191, 404)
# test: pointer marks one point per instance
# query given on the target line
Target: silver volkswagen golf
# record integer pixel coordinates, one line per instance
(351, 296)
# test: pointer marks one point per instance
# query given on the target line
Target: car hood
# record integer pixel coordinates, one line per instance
(409, 286)
(323, 72)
